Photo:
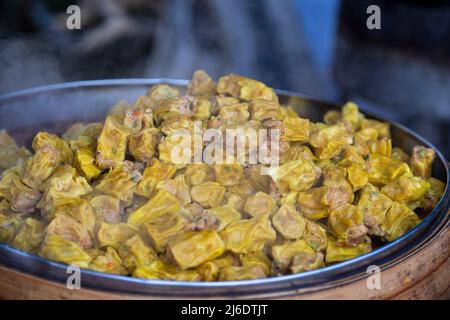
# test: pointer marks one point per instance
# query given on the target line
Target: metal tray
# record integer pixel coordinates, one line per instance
(55, 107)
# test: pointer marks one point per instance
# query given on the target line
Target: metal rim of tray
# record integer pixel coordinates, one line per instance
(348, 271)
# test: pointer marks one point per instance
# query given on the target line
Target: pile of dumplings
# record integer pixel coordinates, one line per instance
(107, 197)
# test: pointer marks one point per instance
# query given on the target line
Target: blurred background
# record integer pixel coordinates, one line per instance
(318, 47)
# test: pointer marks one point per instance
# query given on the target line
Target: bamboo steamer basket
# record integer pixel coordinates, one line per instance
(415, 266)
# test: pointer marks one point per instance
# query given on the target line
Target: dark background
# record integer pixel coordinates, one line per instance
(317, 47)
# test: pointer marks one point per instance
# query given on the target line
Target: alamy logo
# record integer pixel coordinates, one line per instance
(374, 280)
(74, 279)
(228, 146)
(73, 21)
(374, 20)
